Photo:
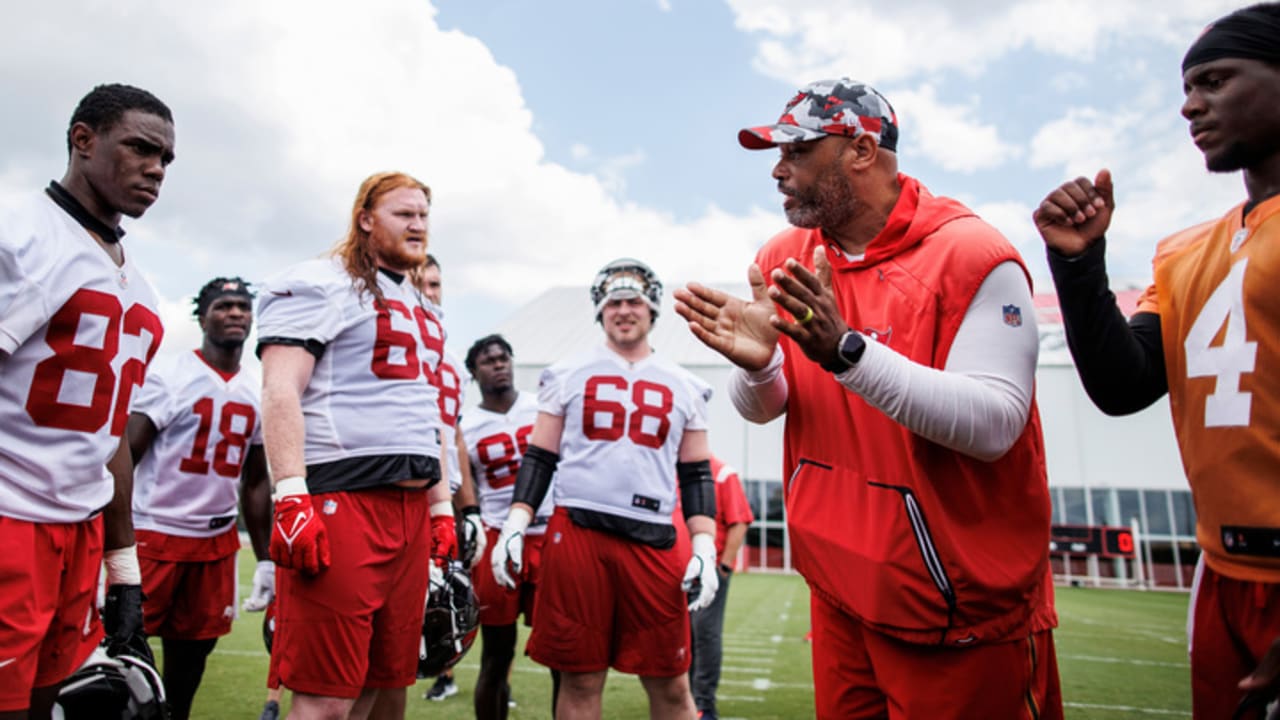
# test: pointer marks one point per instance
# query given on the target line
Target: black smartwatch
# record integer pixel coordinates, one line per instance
(848, 352)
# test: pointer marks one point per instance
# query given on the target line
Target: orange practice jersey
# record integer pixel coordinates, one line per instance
(1215, 290)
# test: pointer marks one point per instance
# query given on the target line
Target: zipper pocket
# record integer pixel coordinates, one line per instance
(924, 541)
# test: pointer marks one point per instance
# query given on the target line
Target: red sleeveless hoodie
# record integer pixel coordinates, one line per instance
(917, 541)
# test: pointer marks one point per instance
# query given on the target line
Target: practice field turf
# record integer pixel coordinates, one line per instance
(1122, 654)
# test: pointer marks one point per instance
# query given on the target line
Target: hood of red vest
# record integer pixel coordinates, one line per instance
(916, 215)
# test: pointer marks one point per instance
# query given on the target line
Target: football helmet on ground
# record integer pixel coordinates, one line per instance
(450, 622)
(626, 278)
(126, 686)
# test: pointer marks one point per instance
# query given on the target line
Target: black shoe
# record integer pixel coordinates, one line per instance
(270, 711)
(444, 687)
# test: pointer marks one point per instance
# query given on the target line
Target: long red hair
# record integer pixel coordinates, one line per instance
(355, 249)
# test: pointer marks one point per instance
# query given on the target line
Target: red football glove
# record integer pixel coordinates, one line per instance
(444, 539)
(298, 538)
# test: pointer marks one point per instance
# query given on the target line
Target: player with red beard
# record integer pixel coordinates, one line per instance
(351, 422)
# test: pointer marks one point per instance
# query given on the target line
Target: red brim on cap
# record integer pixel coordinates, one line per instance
(756, 138)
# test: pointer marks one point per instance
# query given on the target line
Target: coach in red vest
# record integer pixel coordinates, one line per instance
(895, 331)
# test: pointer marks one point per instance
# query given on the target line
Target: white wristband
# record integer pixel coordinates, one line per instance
(444, 507)
(122, 566)
(518, 520)
(704, 544)
(296, 485)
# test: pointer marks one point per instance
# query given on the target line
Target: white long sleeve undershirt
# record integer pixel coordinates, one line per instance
(977, 405)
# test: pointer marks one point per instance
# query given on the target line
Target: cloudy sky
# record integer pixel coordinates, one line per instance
(560, 134)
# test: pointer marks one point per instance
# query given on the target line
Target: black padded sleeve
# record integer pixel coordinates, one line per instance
(534, 477)
(697, 488)
(1120, 362)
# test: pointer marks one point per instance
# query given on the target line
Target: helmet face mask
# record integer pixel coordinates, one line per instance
(626, 278)
(450, 622)
(127, 686)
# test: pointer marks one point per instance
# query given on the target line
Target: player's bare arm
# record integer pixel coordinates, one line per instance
(286, 369)
(466, 495)
(255, 500)
(736, 328)
(1076, 214)
(117, 518)
(298, 540)
(141, 433)
(807, 297)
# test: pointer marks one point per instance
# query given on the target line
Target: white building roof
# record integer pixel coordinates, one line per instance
(1084, 448)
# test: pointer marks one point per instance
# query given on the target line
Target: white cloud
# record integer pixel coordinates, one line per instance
(951, 135)
(282, 108)
(802, 40)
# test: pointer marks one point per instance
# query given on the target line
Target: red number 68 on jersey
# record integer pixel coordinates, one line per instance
(607, 419)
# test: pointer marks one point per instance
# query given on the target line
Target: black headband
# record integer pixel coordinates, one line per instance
(219, 288)
(1252, 33)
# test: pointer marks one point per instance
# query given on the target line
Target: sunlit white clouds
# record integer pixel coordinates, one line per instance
(282, 108)
(952, 135)
(1082, 77)
(802, 39)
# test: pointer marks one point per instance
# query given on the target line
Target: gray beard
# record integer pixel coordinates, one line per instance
(829, 205)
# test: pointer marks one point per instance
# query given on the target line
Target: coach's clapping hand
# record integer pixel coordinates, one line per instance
(736, 328)
(298, 538)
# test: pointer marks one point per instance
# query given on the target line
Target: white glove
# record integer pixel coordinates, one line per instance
(473, 531)
(264, 587)
(510, 548)
(700, 579)
(435, 577)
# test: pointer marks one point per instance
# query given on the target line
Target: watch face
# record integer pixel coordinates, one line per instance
(851, 347)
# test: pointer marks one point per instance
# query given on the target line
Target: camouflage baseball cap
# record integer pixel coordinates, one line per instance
(828, 107)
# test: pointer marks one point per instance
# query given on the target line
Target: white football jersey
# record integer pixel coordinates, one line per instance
(373, 389)
(623, 424)
(78, 332)
(188, 481)
(452, 383)
(495, 444)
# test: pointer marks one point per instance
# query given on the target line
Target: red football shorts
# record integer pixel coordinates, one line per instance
(1233, 624)
(189, 584)
(860, 673)
(500, 605)
(48, 619)
(357, 623)
(604, 601)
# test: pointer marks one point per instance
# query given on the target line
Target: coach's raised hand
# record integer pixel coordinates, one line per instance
(736, 328)
(1076, 214)
(298, 538)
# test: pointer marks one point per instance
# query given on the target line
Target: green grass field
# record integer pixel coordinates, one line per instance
(1122, 654)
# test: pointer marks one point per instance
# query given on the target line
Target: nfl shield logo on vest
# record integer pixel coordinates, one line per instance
(1012, 315)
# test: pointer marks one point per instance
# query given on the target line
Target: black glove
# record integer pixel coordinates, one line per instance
(122, 619)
